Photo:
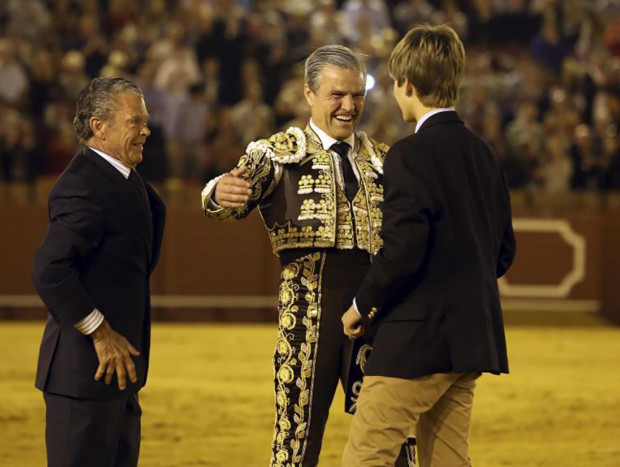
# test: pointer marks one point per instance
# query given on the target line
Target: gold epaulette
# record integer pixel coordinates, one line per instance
(284, 147)
(375, 149)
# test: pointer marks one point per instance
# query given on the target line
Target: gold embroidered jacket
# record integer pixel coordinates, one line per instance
(294, 186)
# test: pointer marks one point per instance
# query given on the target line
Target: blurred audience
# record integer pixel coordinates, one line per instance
(542, 82)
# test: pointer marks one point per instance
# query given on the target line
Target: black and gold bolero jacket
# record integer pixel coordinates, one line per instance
(293, 182)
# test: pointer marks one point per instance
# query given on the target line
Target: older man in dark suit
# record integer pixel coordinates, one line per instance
(92, 272)
(432, 289)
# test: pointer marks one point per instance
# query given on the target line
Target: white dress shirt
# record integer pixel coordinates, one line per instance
(327, 142)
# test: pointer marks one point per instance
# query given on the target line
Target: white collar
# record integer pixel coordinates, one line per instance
(327, 141)
(118, 165)
(427, 115)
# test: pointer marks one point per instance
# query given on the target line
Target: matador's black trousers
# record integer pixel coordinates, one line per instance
(317, 287)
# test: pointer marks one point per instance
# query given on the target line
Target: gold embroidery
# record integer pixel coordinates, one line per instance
(311, 210)
(300, 278)
(322, 160)
(362, 356)
(259, 174)
(306, 184)
(287, 144)
(367, 204)
(323, 221)
(323, 184)
(345, 239)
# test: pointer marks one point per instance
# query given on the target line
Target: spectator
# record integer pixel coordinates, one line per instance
(547, 47)
(190, 135)
(72, 76)
(357, 12)
(252, 118)
(412, 12)
(29, 20)
(588, 161)
(13, 79)
(92, 44)
(226, 38)
(556, 169)
(174, 77)
(224, 149)
(154, 168)
(612, 152)
(326, 25)
(9, 145)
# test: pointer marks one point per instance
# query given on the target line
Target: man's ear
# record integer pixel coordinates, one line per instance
(309, 95)
(97, 127)
(409, 89)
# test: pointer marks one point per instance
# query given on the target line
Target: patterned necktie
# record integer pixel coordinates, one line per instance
(350, 180)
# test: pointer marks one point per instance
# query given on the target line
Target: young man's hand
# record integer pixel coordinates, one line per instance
(352, 323)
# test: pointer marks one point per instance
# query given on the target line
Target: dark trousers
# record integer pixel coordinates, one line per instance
(317, 287)
(93, 433)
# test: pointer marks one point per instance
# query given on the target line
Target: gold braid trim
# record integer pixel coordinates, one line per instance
(285, 147)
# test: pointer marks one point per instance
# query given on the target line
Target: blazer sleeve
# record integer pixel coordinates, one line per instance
(508, 245)
(407, 211)
(76, 226)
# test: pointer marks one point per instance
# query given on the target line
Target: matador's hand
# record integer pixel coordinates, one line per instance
(232, 191)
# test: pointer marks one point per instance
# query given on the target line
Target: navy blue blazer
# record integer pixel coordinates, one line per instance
(431, 293)
(99, 251)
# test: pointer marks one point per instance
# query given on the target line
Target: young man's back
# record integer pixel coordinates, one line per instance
(432, 290)
(446, 214)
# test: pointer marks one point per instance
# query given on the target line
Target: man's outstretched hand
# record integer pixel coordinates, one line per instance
(231, 190)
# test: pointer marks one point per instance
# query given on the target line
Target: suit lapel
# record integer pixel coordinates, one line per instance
(104, 167)
(128, 196)
(158, 214)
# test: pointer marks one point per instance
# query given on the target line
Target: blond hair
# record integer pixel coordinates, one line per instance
(432, 59)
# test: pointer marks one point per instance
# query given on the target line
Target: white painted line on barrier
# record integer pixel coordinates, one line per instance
(162, 301)
(567, 306)
(269, 301)
(577, 274)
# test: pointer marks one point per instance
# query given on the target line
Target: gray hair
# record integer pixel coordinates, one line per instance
(98, 99)
(336, 56)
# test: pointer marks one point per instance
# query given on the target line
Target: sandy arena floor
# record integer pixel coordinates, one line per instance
(208, 401)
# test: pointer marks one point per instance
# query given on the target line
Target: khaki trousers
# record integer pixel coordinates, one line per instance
(437, 406)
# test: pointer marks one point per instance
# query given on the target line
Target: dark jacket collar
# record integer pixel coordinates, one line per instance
(102, 165)
(449, 116)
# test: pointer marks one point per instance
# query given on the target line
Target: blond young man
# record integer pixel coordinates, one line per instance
(432, 288)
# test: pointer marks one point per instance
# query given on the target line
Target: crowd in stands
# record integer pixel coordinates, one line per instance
(542, 81)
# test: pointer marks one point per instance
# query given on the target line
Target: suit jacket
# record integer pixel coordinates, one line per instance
(99, 251)
(432, 290)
